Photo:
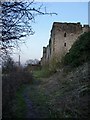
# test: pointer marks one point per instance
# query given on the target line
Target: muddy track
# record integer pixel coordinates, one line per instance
(31, 111)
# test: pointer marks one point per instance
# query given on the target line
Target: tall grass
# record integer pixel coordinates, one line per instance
(19, 106)
(43, 73)
(10, 84)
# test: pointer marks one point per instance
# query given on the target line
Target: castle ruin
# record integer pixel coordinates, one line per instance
(62, 37)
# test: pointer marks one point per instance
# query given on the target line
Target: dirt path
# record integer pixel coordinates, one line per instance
(31, 103)
(31, 111)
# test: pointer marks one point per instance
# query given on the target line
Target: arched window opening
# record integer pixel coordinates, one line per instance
(64, 34)
(65, 44)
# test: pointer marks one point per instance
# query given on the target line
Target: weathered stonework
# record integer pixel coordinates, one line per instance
(62, 37)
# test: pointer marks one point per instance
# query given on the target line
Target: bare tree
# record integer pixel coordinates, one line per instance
(32, 62)
(16, 21)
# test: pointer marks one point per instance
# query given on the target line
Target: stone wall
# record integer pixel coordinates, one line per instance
(62, 37)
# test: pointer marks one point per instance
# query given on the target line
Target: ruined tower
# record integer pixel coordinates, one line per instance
(62, 37)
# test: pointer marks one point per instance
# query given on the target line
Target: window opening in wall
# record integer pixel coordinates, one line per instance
(65, 44)
(64, 34)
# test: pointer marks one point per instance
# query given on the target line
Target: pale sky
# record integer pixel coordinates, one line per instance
(67, 12)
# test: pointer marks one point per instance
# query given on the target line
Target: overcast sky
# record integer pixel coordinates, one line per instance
(67, 12)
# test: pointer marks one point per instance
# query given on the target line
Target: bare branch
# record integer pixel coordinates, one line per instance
(16, 20)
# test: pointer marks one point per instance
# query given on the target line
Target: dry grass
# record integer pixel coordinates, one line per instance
(67, 96)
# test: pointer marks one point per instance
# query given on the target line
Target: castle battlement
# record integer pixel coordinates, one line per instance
(68, 27)
(86, 28)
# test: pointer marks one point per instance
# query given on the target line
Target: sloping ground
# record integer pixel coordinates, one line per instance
(79, 52)
(67, 93)
(10, 84)
(63, 95)
(68, 89)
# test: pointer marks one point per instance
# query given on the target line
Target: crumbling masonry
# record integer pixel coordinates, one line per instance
(62, 37)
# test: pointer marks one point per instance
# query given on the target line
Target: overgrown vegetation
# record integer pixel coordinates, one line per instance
(43, 73)
(40, 101)
(19, 106)
(13, 77)
(60, 95)
(66, 91)
(47, 70)
(80, 51)
(65, 96)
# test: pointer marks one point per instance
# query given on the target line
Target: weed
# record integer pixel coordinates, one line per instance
(79, 52)
(19, 106)
(43, 73)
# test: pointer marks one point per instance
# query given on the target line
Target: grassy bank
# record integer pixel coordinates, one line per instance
(63, 94)
(66, 95)
(43, 73)
(10, 85)
(19, 107)
(79, 52)
(66, 91)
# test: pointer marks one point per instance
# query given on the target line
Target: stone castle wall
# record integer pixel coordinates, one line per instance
(62, 37)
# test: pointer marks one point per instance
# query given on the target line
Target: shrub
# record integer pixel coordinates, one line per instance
(79, 53)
